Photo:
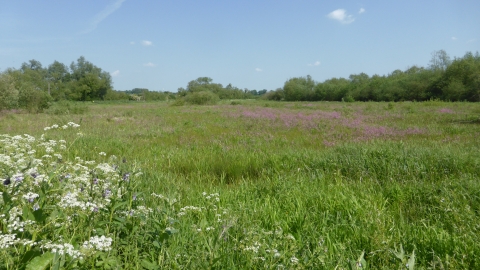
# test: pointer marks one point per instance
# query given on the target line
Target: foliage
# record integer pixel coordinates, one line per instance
(8, 92)
(205, 84)
(293, 185)
(33, 87)
(444, 79)
(201, 98)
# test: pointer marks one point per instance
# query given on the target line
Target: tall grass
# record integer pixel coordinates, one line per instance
(273, 185)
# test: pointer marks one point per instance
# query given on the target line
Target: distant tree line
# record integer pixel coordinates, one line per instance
(443, 79)
(33, 86)
(206, 84)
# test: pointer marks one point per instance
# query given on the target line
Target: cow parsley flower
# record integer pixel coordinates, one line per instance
(30, 196)
(101, 243)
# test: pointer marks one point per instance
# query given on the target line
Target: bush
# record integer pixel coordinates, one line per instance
(202, 98)
(8, 92)
(178, 102)
(34, 100)
(274, 95)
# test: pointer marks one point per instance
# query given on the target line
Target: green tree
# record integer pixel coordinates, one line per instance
(88, 81)
(440, 60)
(299, 89)
(8, 92)
(57, 77)
(204, 84)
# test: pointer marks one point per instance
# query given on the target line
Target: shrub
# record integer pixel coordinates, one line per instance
(8, 92)
(202, 98)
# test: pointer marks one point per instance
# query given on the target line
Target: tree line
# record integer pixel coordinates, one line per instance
(444, 79)
(34, 87)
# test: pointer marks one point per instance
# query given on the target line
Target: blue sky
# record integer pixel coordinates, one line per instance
(162, 45)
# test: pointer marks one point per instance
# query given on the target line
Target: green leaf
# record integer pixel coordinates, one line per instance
(361, 263)
(29, 255)
(27, 213)
(401, 254)
(149, 265)
(41, 262)
(7, 199)
(40, 216)
(411, 261)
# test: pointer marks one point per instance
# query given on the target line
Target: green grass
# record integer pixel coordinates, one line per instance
(300, 185)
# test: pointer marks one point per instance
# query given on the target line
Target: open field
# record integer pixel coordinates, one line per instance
(272, 185)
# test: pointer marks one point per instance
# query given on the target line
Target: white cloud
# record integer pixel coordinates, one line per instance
(132, 42)
(454, 38)
(362, 10)
(115, 73)
(317, 63)
(258, 70)
(147, 43)
(102, 15)
(149, 64)
(341, 16)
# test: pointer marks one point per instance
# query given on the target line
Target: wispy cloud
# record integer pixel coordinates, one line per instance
(317, 63)
(341, 16)
(115, 73)
(454, 38)
(102, 15)
(362, 10)
(147, 43)
(132, 42)
(149, 64)
(258, 69)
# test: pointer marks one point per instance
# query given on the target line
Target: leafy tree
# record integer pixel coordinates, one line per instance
(57, 75)
(88, 81)
(440, 60)
(203, 84)
(332, 90)
(464, 71)
(298, 89)
(277, 95)
(8, 92)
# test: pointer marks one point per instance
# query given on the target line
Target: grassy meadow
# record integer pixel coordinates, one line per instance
(242, 185)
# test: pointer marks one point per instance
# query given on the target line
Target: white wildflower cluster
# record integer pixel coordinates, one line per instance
(255, 247)
(62, 249)
(30, 196)
(184, 210)
(8, 240)
(14, 221)
(213, 196)
(70, 200)
(170, 201)
(101, 243)
(199, 229)
(55, 126)
(275, 252)
(276, 245)
(294, 260)
(33, 173)
(140, 211)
